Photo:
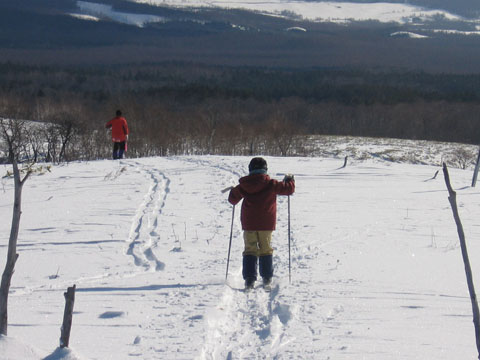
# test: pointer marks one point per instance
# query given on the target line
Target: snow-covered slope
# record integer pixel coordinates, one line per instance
(95, 12)
(429, 22)
(376, 269)
(321, 10)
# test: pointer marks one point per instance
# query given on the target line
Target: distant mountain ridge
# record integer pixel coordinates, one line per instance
(127, 31)
(466, 8)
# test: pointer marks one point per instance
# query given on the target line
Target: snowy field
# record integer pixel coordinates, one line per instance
(377, 271)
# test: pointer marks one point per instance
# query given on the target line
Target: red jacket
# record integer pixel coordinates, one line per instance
(259, 194)
(119, 128)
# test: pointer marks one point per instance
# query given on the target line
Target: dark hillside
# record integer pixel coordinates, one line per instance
(223, 82)
(56, 39)
(40, 32)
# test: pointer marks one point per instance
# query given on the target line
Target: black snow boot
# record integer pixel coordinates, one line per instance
(249, 283)
(267, 283)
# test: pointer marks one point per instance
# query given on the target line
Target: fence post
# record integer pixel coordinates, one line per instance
(67, 317)
(475, 172)
(468, 270)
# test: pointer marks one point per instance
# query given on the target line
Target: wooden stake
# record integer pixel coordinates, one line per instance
(67, 316)
(475, 172)
(468, 270)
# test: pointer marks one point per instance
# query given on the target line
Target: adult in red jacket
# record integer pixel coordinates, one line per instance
(119, 134)
(259, 217)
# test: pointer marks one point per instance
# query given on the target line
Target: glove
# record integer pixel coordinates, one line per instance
(288, 178)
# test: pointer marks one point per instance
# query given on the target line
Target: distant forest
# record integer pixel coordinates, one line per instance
(180, 108)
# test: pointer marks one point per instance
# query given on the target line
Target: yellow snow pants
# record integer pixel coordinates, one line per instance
(257, 243)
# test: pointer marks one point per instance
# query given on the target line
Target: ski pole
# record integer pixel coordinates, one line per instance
(289, 253)
(230, 244)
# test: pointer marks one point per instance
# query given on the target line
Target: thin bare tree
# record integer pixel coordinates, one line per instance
(12, 137)
(282, 132)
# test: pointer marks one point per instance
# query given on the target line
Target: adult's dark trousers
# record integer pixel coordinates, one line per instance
(118, 150)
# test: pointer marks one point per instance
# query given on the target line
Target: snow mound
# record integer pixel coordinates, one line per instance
(63, 354)
(13, 349)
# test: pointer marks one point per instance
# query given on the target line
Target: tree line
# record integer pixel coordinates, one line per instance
(178, 108)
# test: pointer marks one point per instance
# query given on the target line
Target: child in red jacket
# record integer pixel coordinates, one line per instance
(259, 217)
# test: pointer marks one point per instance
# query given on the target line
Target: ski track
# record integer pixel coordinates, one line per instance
(266, 325)
(144, 233)
(232, 169)
(244, 325)
(248, 325)
(155, 231)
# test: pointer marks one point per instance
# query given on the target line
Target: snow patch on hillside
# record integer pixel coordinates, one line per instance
(408, 34)
(96, 11)
(456, 32)
(85, 17)
(322, 11)
(297, 29)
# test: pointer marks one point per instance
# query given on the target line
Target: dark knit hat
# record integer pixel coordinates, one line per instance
(257, 163)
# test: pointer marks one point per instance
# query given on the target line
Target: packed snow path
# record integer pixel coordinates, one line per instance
(376, 269)
(145, 233)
